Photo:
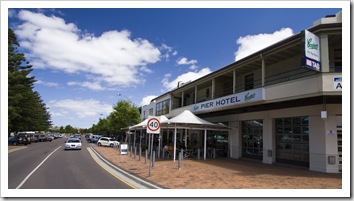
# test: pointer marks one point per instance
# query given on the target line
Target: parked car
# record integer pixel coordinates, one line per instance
(36, 138)
(23, 138)
(49, 137)
(12, 140)
(94, 138)
(42, 137)
(107, 141)
(87, 136)
(77, 136)
(73, 143)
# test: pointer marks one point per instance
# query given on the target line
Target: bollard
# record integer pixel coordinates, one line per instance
(150, 170)
(182, 153)
(139, 153)
(131, 150)
(214, 153)
(134, 152)
(146, 155)
(179, 160)
(198, 154)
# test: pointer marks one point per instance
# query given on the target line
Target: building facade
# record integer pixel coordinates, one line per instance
(283, 107)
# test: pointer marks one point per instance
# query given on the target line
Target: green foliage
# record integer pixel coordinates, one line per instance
(26, 110)
(70, 129)
(124, 115)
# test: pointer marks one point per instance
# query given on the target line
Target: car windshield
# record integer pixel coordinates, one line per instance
(73, 141)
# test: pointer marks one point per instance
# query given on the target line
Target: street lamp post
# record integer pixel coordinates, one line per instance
(129, 120)
(119, 94)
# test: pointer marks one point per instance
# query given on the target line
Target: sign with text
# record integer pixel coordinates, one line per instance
(123, 149)
(337, 83)
(311, 51)
(153, 125)
(234, 99)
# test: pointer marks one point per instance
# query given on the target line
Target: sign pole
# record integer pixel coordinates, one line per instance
(152, 127)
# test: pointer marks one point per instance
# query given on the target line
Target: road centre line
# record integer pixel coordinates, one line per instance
(28, 176)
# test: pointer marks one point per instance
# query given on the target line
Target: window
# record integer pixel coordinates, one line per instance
(163, 107)
(249, 82)
(207, 92)
(252, 139)
(292, 140)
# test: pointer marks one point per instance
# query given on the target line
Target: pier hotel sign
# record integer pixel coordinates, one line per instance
(234, 99)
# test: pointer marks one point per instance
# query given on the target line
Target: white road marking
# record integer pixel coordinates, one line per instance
(28, 176)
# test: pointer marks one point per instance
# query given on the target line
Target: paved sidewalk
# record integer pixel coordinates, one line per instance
(222, 173)
(16, 148)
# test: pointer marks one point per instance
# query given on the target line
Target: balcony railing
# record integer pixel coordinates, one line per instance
(269, 80)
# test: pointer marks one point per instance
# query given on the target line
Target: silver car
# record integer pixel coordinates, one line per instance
(73, 143)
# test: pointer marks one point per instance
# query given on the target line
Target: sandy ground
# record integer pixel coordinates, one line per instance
(222, 173)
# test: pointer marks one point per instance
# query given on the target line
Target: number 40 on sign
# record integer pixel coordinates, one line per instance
(153, 125)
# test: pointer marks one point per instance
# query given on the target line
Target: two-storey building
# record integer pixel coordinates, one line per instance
(284, 106)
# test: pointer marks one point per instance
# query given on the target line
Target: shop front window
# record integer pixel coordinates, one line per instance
(219, 141)
(252, 139)
(292, 140)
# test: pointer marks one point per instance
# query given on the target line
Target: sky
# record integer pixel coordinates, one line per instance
(83, 58)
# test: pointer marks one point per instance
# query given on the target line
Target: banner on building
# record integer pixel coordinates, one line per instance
(234, 99)
(311, 51)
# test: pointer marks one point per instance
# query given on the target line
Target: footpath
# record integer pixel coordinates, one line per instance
(220, 173)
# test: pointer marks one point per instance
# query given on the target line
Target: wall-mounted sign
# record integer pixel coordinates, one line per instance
(331, 132)
(337, 83)
(311, 51)
(234, 99)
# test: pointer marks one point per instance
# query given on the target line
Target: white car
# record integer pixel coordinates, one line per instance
(73, 143)
(107, 141)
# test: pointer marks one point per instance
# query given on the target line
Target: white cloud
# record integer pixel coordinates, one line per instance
(78, 113)
(184, 61)
(167, 51)
(193, 67)
(114, 58)
(252, 43)
(189, 76)
(95, 86)
(146, 100)
(48, 84)
(79, 108)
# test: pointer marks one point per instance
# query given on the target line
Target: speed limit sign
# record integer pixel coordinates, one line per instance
(153, 125)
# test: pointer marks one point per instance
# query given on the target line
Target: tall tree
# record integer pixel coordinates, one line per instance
(25, 108)
(125, 114)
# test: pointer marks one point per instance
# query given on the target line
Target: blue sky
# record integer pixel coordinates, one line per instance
(84, 57)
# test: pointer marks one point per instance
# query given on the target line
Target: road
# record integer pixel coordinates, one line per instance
(46, 165)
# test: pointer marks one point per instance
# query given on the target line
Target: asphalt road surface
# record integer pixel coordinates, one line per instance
(46, 165)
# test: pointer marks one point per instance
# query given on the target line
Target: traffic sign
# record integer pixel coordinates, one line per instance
(153, 125)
